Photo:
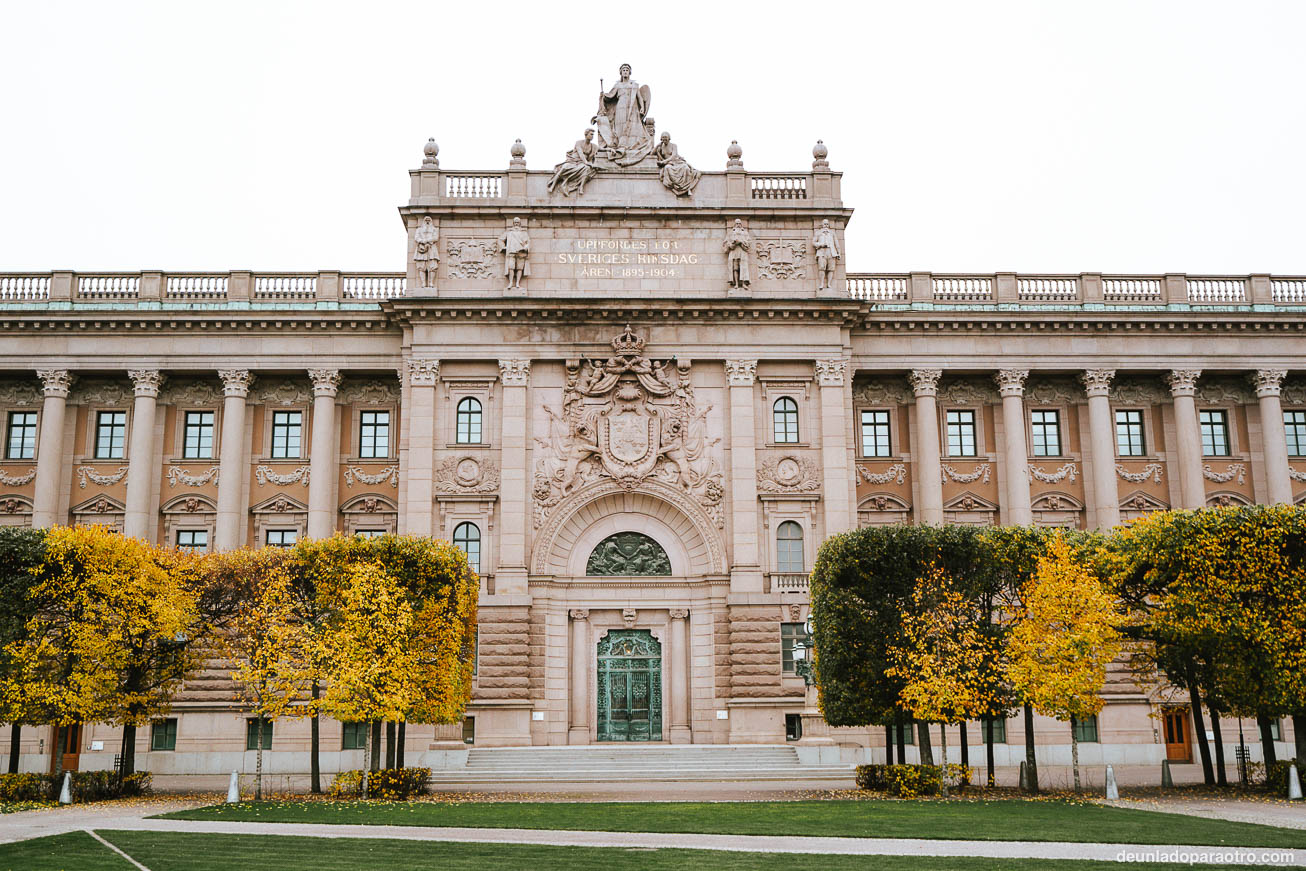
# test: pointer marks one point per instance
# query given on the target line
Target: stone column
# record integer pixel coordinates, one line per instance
(830, 376)
(233, 460)
(745, 568)
(679, 688)
(1188, 436)
(49, 451)
(929, 467)
(1011, 384)
(1102, 448)
(1277, 471)
(419, 505)
(579, 676)
(322, 459)
(510, 575)
(141, 468)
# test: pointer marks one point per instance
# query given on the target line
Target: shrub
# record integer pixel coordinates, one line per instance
(86, 786)
(1276, 778)
(909, 781)
(26, 787)
(387, 784)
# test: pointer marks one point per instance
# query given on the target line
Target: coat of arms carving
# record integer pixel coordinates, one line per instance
(628, 419)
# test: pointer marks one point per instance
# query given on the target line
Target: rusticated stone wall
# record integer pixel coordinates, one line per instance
(504, 670)
(755, 652)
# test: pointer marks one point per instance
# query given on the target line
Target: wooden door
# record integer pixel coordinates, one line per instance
(1178, 745)
(69, 742)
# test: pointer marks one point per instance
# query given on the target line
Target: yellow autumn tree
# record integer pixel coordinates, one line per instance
(946, 659)
(1065, 635)
(375, 669)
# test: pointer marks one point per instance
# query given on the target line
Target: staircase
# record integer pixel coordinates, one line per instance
(624, 763)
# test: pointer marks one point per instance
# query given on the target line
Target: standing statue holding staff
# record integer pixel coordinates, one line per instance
(737, 244)
(826, 247)
(426, 252)
(516, 247)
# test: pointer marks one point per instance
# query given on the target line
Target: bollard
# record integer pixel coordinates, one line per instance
(1112, 792)
(66, 791)
(233, 789)
(1294, 783)
(1167, 782)
(1022, 776)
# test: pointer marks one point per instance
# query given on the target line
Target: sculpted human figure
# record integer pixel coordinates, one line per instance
(677, 175)
(826, 247)
(516, 248)
(426, 253)
(576, 168)
(737, 244)
(626, 104)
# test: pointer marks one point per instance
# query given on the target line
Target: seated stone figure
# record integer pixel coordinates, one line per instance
(576, 168)
(677, 175)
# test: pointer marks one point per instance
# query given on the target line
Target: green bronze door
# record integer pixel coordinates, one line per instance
(630, 686)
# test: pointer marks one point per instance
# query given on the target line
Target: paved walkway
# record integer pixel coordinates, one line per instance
(1265, 812)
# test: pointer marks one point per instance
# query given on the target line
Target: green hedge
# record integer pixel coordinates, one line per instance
(86, 786)
(387, 784)
(1276, 778)
(909, 781)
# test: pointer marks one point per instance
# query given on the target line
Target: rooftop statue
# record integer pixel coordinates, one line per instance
(576, 168)
(624, 106)
(677, 175)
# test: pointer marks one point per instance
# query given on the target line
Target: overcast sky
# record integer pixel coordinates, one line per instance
(973, 136)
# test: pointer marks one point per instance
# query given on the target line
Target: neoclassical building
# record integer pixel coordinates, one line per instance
(639, 395)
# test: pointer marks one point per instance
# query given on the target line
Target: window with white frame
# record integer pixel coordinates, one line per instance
(790, 633)
(1129, 433)
(468, 430)
(369, 533)
(281, 537)
(1045, 429)
(110, 435)
(875, 433)
(193, 540)
(467, 538)
(1215, 433)
(784, 419)
(197, 435)
(1294, 425)
(374, 434)
(22, 436)
(789, 547)
(287, 434)
(961, 432)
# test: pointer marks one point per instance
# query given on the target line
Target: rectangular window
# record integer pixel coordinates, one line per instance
(374, 435)
(469, 730)
(906, 733)
(1215, 433)
(163, 735)
(997, 725)
(110, 434)
(198, 441)
(193, 540)
(354, 737)
(287, 429)
(1045, 426)
(369, 533)
(789, 633)
(875, 434)
(961, 433)
(1129, 434)
(282, 537)
(22, 436)
(1294, 424)
(251, 734)
(1276, 730)
(1086, 729)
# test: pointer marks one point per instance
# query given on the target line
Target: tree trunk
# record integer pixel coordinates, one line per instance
(1031, 764)
(367, 766)
(1074, 752)
(923, 737)
(1220, 776)
(16, 746)
(1199, 724)
(128, 750)
(1298, 735)
(965, 745)
(399, 745)
(376, 745)
(943, 765)
(390, 744)
(315, 746)
(1267, 742)
(888, 744)
(988, 752)
(258, 758)
(900, 737)
(58, 753)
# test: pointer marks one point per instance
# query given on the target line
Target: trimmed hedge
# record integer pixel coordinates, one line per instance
(1276, 778)
(86, 786)
(387, 784)
(909, 781)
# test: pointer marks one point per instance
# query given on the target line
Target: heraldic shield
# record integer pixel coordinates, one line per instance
(630, 440)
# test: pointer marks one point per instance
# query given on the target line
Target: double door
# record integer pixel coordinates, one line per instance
(1178, 745)
(629, 686)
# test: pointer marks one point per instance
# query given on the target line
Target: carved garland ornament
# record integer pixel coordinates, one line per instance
(178, 475)
(981, 473)
(897, 473)
(1068, 471)
(788, 474)
(1234, 470)
(85, 472)
(1152, 470)
(389, 473)
(17, 480)
(1295, 475)
(264, 474)
(466, 475)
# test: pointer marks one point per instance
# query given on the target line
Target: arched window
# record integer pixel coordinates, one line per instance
(628, 553)
(467, 538)
(785, 416)
(469, 421)
(789, 547)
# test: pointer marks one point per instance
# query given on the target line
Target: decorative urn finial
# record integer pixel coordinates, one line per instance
(735, 153)
(429, 152)
(820, 153)
(518, 152)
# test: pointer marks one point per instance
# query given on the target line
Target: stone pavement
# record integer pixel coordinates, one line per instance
(1265, 812)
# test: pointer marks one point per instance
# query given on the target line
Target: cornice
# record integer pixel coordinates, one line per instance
(1012, 322)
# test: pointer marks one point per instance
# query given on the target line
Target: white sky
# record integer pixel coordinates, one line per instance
(974, 136)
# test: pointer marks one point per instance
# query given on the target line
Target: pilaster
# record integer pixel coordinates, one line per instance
(745, 568)
(830, 380)
(416, 517)
(510, 576)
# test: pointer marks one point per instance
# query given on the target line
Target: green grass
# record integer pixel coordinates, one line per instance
(173, 851)
(968, 820)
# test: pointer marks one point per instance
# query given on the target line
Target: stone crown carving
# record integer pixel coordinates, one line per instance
(236, 382)
(741, 373)
(285, 391)
(1183, 382)
(1097, 382)
(880, 392)
(325, 381)
(1268, 382)
(830, 373)
(423, 371)
(1011, 382)
(24, 392)
(925, 382)
(55, 382)
(516, 373)
(146, 382)
(192, 391)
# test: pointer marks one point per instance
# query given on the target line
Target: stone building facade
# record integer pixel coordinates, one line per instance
(640, 409)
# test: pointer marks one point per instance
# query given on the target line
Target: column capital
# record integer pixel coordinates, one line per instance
(55, 382)
(422, 371)
(830, 373)
(579, 613)
(1011, 382)
(236, 382)
(1097, 382)
(1268, 381)
(679, 613)
(146, 381)
(325, 381)
(925, 382)
(741, 373)
(515, 373)
(1183, 382)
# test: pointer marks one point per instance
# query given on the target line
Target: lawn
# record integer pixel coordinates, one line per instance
(1015, 820)
(77, 851)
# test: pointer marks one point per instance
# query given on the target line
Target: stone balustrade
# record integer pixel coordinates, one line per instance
(184, 288)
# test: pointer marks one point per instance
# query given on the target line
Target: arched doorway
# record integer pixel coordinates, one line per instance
(629, 686)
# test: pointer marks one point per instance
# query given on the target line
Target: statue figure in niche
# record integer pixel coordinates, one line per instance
(737, 244)
(677, 175)
(426, 252)
(625, 106)
(826, 247)
(576, 168)
(516, 247)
